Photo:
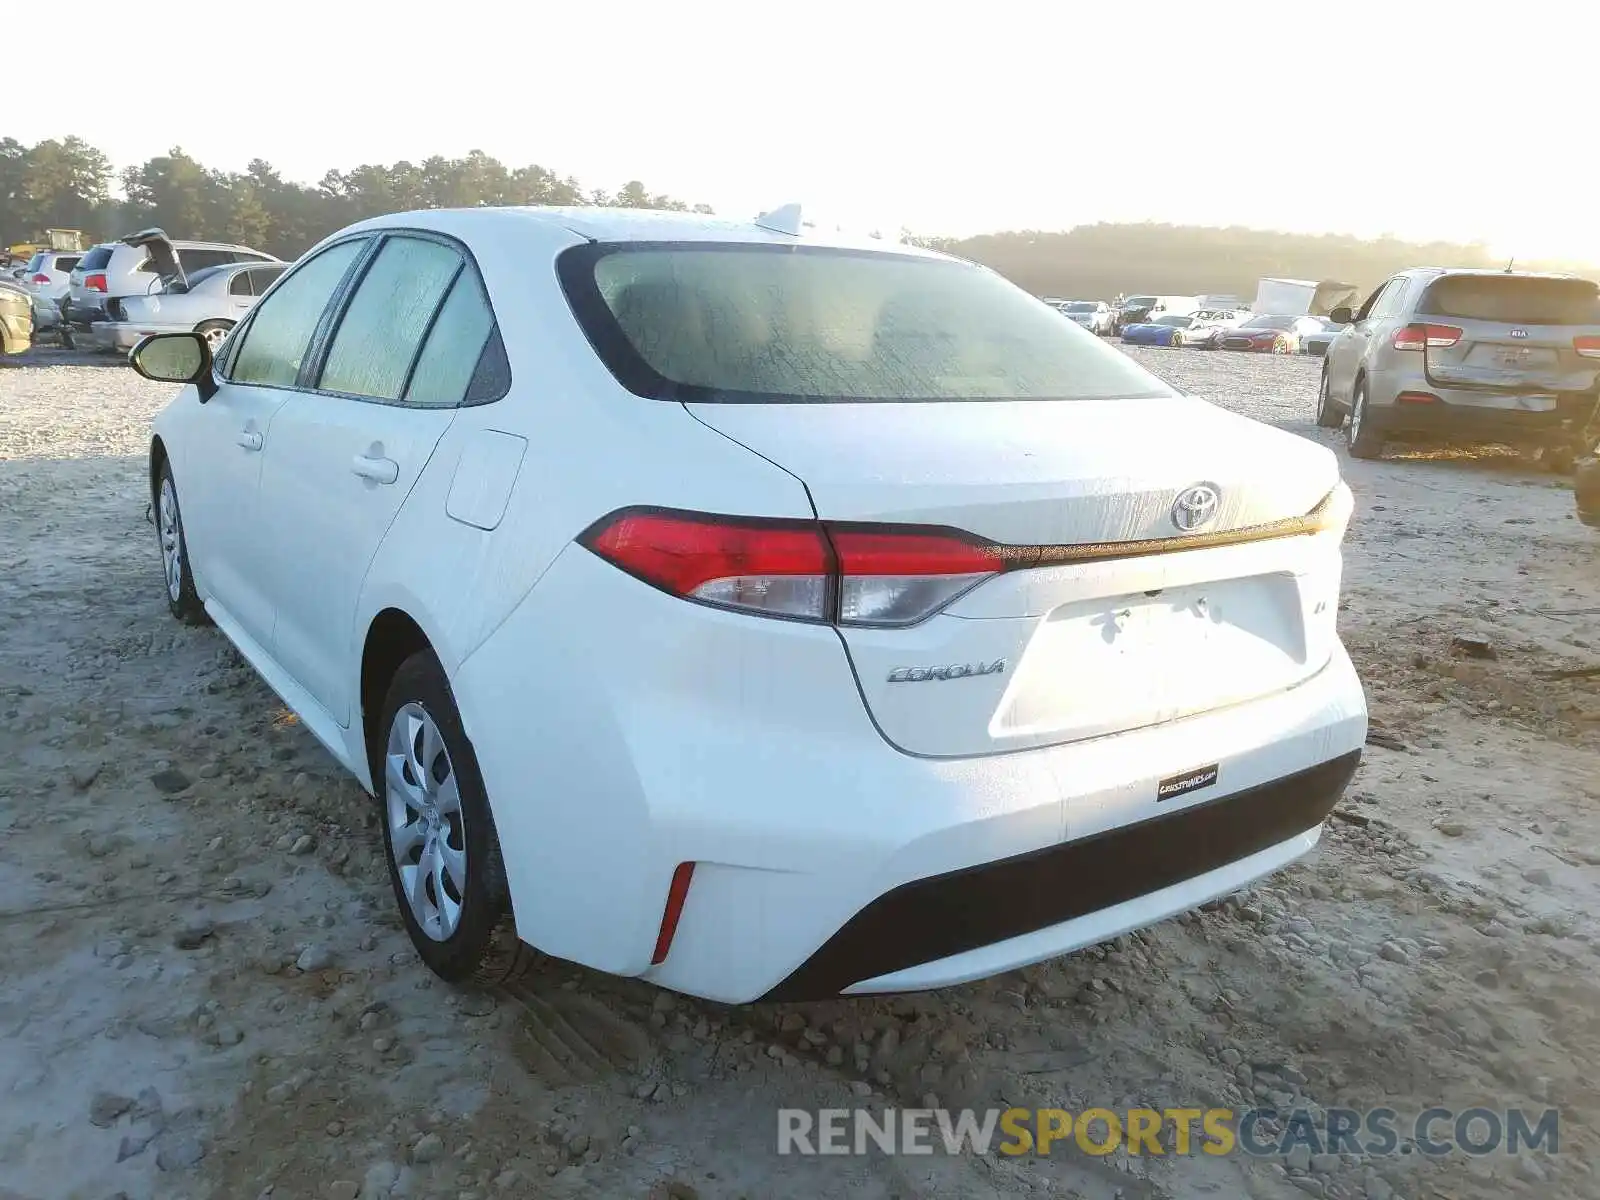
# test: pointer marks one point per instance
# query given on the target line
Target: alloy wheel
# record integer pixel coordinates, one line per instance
(171, 539)
(426, 833)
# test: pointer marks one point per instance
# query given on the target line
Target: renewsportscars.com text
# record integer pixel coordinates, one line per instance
(1264, 1133)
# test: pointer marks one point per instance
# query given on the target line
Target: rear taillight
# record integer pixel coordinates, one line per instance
(1589, 347)
(1426, 337)
(95, 283)
(898, 577)
(41, 278)
(782, 568)
(804, 570)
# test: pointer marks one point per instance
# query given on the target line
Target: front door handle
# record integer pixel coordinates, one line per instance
(249, 439)
(379, 470)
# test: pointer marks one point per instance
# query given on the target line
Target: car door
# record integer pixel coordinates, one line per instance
(229, 437)
(1347, 352)
(347, 453)
(240, 293)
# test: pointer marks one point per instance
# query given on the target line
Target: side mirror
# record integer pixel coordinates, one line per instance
(175, 358)
(1341, 315)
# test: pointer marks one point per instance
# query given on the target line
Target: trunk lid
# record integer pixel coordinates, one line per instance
(1087, 648)
(163, 257)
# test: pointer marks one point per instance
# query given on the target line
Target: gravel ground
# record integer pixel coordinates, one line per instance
(204, 991)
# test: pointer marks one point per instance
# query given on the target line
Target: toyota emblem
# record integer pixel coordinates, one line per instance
(1195, 507)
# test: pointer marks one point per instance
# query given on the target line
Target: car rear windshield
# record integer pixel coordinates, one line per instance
(1138, 302)
(751, 323)
(1081, 306)
(35, 263)
(1515, 299)
(96, 259)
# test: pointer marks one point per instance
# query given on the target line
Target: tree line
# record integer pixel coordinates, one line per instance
(67, 183)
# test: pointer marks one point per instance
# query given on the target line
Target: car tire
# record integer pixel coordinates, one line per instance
(1362, 432)
(183, 601)
(438, 834)
(1328, 417)
(214, 332)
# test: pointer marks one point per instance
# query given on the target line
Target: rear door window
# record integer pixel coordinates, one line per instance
(281, 326)
(239, 285)
(382, 330)
(66, 262)
(456, 344)
(261, 278)
(1513, 300)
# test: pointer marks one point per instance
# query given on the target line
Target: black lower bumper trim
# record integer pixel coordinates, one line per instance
(933, 918)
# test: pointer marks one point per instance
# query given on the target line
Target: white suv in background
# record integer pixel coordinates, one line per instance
(49, 272)
(136, 266)
(756, 613)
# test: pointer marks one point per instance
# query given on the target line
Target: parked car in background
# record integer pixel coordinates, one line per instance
(16, 317)
(136, 266)
(46, 314)
(210, 302)
(1094, 315)
(1206, 329)
(49, 273)
(1316, 341)
(1137, 309)
(1486, 356)
(1163, 331)
(1268, 333)
(489, 491)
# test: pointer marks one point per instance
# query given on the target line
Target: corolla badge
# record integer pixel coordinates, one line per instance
(947, 671)
(1195, 507)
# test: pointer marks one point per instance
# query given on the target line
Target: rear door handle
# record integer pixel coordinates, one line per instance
(379, 470)
(249, 439)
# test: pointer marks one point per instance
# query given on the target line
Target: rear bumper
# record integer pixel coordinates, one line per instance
(964, 924)
(120, 335)
(81, 314)
(621, 732)
(1464, 415)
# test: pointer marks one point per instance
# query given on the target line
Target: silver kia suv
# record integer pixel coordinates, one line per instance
(1487, 356)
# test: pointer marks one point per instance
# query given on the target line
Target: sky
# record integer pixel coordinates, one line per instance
(1424, 121)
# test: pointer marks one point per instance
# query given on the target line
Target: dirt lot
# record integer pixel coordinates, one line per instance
(204, 991)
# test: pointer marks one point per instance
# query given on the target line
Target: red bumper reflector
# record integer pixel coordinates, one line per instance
(1416, 398)
(676, 895)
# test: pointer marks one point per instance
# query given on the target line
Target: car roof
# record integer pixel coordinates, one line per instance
(1490, 272)
(597, 224)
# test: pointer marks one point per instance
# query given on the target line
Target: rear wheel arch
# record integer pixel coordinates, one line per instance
(158, 458)
(392, 637)
(399, 662)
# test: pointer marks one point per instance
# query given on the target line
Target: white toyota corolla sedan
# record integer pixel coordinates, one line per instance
(762, 614)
